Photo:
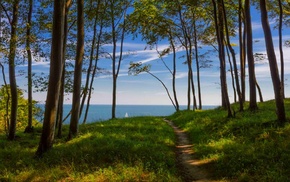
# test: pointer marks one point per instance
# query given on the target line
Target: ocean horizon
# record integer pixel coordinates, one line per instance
(98, 112)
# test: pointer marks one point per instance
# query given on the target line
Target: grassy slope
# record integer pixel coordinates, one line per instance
(133, 149)
(249, 147)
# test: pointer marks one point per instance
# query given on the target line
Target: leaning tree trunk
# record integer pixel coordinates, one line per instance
(12, 76)
(56, 63)
(280, 109)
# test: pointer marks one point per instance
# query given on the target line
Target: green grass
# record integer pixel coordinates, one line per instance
(249, 147)
(131, 149)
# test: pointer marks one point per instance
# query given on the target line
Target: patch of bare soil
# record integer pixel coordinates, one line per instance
(190, 168)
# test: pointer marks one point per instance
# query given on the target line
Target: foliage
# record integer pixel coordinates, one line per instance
(22, 112)
(131, 149)
(249, 147)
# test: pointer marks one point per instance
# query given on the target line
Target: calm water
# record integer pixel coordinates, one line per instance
(103, 112)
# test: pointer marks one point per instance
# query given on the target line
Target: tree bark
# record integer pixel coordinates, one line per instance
(78, 72)
(174, 73)
(232, 51)
(242, 55)
(252, 77)
(219, 24)
(29, 127)
(281, 47)
(12, 76)
(56, 65)
(273, 64)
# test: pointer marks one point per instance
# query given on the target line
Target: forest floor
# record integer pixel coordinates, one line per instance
(190, 168)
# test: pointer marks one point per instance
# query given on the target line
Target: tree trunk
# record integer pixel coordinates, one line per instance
(242, 56)
(116, 63)
(56, 65)
(281, 47)
(232, 75)
(232, 51)
(78, 72)
(12, 76)
(252, 77)
(94, 70)
(259, 91)
(59, 120)
(174, 73)
(219, 24)
(29, 127)
(197, 66)
(273, 64)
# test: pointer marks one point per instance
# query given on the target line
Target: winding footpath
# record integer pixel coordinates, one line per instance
(190, 168)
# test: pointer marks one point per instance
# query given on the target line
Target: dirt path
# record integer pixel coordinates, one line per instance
(190, 167)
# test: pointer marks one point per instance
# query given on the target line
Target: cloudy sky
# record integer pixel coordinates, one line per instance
(146, 90)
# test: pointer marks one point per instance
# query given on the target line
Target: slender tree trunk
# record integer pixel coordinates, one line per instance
(252, 77)
(29, 127)
(259, 91)
(242, 56)
(78, 72)
(56, 63)
(273, 64)
(94, 71)
(60, 103)
(174, 74)
(232, 51)
(59, 120)
(220, 37)
(232, 75)
(116, 68)
(12, 76)
(167, 91)
(281, 47)
(197, 66)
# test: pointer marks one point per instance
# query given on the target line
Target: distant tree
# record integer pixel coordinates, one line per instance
(273, 64)
(47, 136)
(78, 71)
(22, 114)
(154, 23)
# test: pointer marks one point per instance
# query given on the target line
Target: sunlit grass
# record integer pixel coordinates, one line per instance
(131, 149)
(249, 147)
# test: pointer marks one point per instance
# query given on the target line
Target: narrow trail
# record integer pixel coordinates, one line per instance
(190, 168)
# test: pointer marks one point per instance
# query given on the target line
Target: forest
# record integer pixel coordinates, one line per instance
(72, 36)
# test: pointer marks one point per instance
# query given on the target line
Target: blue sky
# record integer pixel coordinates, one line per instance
(146, 90)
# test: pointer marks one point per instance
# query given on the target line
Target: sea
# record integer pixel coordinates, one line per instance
(104, 112)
